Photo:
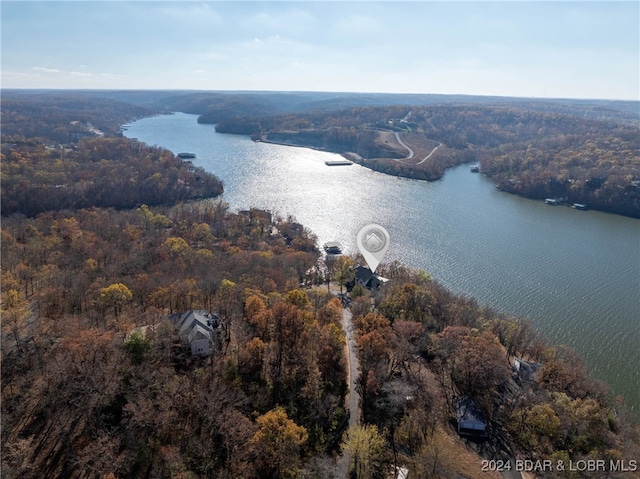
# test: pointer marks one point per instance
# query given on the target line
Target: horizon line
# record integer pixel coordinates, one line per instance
(196, 90)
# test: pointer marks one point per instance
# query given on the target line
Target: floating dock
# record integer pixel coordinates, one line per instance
(338, 163)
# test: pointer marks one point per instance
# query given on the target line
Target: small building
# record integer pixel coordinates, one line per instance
(471, 422)
(195, 329)
(524, 371)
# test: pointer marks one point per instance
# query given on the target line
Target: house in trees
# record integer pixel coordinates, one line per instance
(367, 279)
(524, 371)
(197, 329)
(471, 423)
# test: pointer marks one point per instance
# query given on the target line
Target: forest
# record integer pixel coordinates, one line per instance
(58, 117)
(104, 172)
(97, 383)
(66, 152)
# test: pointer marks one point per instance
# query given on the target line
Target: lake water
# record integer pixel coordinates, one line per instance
(575, 274)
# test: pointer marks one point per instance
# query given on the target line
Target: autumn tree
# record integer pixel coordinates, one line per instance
(366, 446)
(343, 270)
(277, 444)
(114, 296)
(476, 362)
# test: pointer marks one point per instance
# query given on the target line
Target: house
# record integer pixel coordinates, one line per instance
(196, 328)
(471, 423)
(367, 279)
(524, 371)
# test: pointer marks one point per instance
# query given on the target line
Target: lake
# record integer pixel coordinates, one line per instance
(574, 274)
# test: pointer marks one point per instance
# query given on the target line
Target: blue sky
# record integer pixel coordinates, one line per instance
(510, 48)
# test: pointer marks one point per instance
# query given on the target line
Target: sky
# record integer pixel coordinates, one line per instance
(541, 49)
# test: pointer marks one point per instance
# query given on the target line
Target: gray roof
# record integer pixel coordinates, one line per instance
(196, 322)
(469, 417)
(198, 332)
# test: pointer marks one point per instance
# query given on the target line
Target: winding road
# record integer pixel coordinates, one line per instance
(411, 153)
(429, 155)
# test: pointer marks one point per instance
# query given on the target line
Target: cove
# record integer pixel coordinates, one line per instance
(574, 274)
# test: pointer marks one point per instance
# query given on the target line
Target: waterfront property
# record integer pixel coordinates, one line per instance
(524, 371)
(367, 279)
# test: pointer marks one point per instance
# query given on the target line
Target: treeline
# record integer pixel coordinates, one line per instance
(104, 172)
(533, 152)
(601, 172)
(83, 397)
(421, 348)
(63, 117)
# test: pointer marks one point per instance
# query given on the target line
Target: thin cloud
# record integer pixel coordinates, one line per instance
(46, 70)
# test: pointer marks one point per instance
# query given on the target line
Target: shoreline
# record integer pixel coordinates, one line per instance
(375, 164)
(343, 154)
(370, 163)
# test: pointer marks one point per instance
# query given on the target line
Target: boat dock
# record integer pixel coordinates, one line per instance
(338, 163)
(333, 247)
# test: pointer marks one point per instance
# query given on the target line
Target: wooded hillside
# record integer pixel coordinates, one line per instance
(63, 117)
(84, 398)
(85, 395)
(63, 151)
(528, 151)
(105, 172)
